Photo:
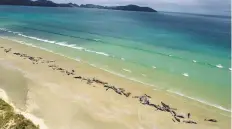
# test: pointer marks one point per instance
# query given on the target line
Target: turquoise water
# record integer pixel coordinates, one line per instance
(185, 54)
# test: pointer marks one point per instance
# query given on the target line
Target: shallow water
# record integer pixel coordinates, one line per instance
(183, 54)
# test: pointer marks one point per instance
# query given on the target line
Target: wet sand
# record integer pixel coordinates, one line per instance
(65, 102)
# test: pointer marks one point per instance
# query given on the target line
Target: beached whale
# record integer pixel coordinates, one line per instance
(211, 120)
(190, 122)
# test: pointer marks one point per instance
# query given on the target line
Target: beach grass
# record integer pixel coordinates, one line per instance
(11, 120)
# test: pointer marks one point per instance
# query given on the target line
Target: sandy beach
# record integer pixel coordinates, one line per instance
(71, 98)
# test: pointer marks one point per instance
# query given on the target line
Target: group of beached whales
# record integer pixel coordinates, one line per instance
(143, 99)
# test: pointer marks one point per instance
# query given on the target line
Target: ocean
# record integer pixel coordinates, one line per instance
(183, 54)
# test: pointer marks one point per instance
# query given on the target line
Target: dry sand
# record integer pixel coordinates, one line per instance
(63, 102)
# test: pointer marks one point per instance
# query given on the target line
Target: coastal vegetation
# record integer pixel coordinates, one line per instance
(11, 120)
(47, 3)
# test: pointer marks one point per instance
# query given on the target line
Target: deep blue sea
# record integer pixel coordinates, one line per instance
(184, 54)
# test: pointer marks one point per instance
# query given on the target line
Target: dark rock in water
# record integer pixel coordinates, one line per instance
(190, 122)
(211, 120)
(1, 47)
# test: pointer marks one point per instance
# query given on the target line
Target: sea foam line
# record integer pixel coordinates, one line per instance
(198, 100)
(91, 51)
(58, 43)
(127, 70)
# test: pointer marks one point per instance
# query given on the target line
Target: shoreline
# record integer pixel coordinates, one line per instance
(133, 89)
(218, 107)
(204, 99)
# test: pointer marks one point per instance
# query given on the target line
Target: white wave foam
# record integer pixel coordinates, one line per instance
(198, 100)
(144, 75)
(97, 40)
(78, 48)
(58, 43)
(185, 74)
(78, 59)
(93, 65)
(127, 70)
(230, 69)
(219, 66)
(16, 32)
(153, 67)
(35, 38)
(99, 53)
(123, 76)
(194, 61)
